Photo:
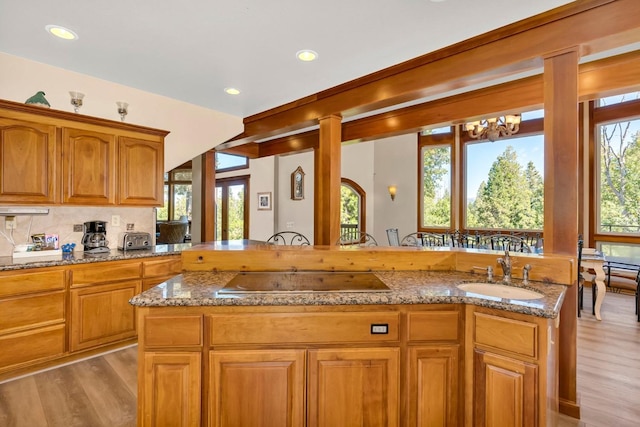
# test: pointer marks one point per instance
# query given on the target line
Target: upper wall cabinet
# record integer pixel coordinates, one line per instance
(141, 172)
(54, 157)
(28, 162)
(88, 167)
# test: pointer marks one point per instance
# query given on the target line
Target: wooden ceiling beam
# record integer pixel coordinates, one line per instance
(594, 25)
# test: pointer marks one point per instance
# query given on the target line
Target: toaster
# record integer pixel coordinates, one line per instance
(134, 240)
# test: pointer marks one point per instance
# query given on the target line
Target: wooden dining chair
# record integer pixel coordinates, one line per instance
(624, 276)
(288, 238)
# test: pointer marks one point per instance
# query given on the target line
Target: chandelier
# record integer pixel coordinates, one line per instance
(494, 127)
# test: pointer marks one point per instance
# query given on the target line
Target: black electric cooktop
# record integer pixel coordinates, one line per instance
(304, 281)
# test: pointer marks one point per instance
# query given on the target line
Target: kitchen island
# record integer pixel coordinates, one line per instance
(422, 353)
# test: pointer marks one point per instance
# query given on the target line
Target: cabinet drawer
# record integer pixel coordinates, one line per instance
(506, 334)
(164, 267)
(282, 328)
(25, 283)
(173, 331)
(434, 326)
(101, 273)
(31, 311)
(30, 346)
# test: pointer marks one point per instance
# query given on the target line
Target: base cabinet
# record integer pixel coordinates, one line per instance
(173, 384)
(505, 391)
(257, 388)
(434, 385)
(102, 314)
(354, 387)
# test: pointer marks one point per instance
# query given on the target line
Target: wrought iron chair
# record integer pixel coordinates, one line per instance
(424, 239)
(624, 276)
(464, 240)
(288, 238)
(393, 237)
(361, 239)
(508, 242)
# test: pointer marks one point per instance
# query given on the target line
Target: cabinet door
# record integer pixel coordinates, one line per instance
(170, 390)
(354, 387)
(141, 172)
(505, 391)
(28, 162)
(434, 386)
(102, 314)
(88, 167)
(157, 271)
(257, 388)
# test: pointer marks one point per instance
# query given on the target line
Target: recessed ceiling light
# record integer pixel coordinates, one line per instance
(232, 91)
(307, 55)
(62, 32)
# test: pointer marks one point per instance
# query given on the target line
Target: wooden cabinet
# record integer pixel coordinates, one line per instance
(88, 167)
(54, 157)
(257, 387)
(173, 384)
(434, 371)
(100, 309)
(513, 357)
(354, 387)
(32, 324)
(156, 271)
(28, 165)
(140, 172)
(102, 314)
(505, 391)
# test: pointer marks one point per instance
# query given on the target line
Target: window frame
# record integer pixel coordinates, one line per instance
(171, 182)
(437, 140)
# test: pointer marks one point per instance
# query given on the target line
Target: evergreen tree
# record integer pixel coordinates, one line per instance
(436, 196)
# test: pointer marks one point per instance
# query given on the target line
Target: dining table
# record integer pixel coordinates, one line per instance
(594, 261)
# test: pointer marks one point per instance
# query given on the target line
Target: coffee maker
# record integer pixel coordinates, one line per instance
(95, 237)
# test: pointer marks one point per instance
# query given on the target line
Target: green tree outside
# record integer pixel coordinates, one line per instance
(436, 171)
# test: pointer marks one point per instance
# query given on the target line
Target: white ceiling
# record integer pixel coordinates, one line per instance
(191, 50)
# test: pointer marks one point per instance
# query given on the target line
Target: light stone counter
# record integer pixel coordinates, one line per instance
(406, 287)
(79, 257)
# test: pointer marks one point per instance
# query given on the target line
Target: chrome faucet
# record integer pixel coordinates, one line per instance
(488, 269)
(525, 274)
(505, 263)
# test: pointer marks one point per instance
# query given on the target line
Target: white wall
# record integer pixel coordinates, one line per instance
(194, 129)
(295, 215)
(396, 163)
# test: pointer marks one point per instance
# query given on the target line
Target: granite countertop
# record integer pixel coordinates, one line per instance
(406, 287)
(79, 257)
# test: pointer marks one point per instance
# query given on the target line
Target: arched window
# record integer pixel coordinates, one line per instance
(353, 207)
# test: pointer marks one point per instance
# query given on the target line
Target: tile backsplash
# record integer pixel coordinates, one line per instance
(60, 221)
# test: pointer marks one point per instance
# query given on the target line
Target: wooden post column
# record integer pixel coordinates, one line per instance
(561, 200)
(208, 208)
(326, 185)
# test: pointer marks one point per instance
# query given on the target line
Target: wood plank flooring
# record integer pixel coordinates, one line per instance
(95, 392)
(101, 392)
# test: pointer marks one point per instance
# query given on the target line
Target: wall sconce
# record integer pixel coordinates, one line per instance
(122, 109)
(76, 100)
(392, 192)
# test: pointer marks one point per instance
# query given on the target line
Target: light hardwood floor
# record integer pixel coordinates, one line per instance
(101, 392)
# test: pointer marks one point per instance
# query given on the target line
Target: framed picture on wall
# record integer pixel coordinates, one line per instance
(297, 184)
(264, 201)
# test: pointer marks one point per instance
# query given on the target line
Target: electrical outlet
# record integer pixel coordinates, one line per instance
(10, 222)
(130, 227)
(78, 228)
(115, 220)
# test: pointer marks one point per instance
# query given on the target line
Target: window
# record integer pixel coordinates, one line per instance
(617, 99)
(178, 196)
(436, 186)
(618, 205)
(232, 222)
(229, 162)
(352, 205)
(504, 183)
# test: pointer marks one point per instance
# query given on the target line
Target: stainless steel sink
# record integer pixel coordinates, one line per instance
(500, 291)
(304, 281)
